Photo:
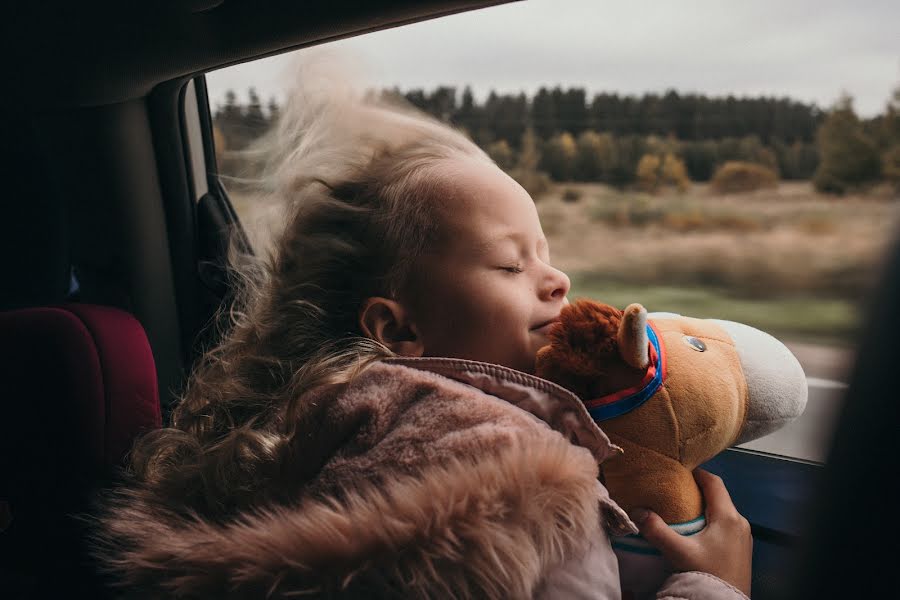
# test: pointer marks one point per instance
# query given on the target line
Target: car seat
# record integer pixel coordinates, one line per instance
(77, 385)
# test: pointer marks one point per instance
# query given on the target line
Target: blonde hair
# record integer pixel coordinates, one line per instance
(356, 175)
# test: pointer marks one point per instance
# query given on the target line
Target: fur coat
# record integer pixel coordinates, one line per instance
(430, 478)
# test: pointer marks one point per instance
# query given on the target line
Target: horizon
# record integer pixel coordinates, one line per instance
(809, 52)
(243, 95)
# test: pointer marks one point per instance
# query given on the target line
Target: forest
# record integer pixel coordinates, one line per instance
(563, 135)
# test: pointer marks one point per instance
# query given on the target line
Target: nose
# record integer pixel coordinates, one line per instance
(556, 286)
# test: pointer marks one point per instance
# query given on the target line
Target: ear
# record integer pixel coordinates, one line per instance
(387, 321)
(632, 337)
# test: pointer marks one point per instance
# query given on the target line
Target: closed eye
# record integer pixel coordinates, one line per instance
(513, 269)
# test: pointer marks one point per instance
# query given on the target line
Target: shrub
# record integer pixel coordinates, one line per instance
(536, 183)
(700, 159)
(219, 141)
(628, 152)
(817, 224)
(674, 173)
(529, 155)
(739, 176)
(849, 156)
(828, 183)
(751, 149)
(654, 172)
(571, 195)
(526, 172)
(890, 166)
(796, 161)
(632, 211)
(647, 173)
(502, 154)
(698, 218)
(558, 157)
(595, 156)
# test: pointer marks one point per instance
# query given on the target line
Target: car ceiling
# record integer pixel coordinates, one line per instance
(70, 54)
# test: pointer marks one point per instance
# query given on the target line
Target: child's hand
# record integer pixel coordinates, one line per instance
(724, 548)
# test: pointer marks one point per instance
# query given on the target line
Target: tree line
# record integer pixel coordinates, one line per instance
(571, 137)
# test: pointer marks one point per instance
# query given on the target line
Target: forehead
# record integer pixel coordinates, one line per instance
(478, 200)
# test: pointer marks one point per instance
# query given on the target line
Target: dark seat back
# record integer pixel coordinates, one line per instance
(77, 385)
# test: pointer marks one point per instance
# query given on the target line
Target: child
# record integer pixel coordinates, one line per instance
(369, 426)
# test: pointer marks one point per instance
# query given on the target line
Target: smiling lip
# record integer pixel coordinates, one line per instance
(545, 326)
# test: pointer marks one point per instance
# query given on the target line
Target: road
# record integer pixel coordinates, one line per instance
(809, 436)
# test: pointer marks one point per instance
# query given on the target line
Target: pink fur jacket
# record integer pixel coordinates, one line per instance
(437, 478)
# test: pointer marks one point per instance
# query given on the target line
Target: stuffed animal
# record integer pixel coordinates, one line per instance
(672, 392)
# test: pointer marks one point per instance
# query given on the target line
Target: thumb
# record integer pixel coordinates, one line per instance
(660, 535)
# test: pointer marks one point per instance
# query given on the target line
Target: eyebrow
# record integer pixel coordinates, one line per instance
(517, 238)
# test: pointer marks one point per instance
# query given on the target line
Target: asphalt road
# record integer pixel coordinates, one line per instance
(809, 436)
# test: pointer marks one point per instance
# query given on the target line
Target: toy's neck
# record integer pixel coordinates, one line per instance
(637, 544)
(624, 389)
(646, 478)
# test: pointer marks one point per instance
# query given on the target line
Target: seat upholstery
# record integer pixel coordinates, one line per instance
(77, 385)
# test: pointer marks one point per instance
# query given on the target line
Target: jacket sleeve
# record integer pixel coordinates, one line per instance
(695, 585)
(592, 576)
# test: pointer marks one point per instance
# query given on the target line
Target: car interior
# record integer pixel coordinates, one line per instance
(115, 232)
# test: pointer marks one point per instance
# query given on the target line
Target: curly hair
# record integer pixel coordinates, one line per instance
(355, 174)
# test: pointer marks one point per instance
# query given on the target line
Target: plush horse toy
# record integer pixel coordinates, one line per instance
(672, 392)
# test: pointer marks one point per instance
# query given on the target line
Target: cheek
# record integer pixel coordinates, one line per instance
(484, 322)
(503, 306)
(458, 313)
(490, 299)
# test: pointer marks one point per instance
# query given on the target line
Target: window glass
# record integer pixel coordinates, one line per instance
(737, 162)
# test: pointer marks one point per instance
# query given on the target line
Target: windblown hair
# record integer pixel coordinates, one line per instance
(355, 175)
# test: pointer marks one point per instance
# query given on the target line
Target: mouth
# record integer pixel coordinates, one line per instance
(545, 326)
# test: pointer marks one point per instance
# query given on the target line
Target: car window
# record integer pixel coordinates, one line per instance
(739, 163)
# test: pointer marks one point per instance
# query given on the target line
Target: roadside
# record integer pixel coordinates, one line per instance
(787, 261)
(831, 363)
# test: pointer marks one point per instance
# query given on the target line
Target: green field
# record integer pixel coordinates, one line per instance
(789, 261)
(809, 319)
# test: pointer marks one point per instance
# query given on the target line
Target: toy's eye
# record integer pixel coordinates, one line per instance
(695, 343)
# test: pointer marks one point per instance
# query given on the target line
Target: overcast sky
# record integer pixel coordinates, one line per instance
(809, 51)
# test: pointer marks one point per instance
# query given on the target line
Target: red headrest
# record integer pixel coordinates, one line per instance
(87, 368)
(77, 384)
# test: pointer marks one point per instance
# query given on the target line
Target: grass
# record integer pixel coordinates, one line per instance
(809, 319)
(786, 260)
(678, 214)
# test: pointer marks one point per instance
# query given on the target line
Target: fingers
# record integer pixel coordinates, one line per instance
(718, 501)
(664, 538)
(725, 546)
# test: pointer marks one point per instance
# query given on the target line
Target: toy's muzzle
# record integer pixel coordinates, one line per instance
(776, 381)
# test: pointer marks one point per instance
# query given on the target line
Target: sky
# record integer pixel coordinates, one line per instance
(808, 51)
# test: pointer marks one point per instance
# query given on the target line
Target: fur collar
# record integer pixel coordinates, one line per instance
(432, 489)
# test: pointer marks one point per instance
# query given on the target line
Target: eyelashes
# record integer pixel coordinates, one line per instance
(513, 269)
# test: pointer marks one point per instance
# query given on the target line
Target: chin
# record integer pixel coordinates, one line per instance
(531, 365)
(521, 362)
(529, 369)
(539, 342)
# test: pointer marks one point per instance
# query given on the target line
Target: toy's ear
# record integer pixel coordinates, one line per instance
(632, 337)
